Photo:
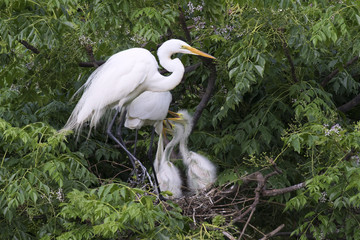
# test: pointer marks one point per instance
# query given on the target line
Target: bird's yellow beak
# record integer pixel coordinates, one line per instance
(167, 127)
(198, 52)
(177, 117)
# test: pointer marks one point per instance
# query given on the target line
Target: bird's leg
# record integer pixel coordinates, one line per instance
(119, 127)
(133, 160)
(136, 134)
(149, 153)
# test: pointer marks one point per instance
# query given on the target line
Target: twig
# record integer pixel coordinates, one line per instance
(208, 92)
(90, 64)
(261, 183)
(288, 55)
(228, 235)
(184, 26)
(29, 46)
(272, 233)
(275, 192)
(90, 53)
(336, 71)
(247, 222)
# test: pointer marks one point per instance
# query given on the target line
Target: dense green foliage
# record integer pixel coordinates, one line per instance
(287, 72)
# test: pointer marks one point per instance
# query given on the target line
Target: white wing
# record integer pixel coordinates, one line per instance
(150, 105)
(117, 81)
(148, 108)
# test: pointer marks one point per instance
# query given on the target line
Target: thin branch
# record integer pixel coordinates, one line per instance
(228, 235)
(350, 105)
(208, 92)
(288, 55)
(90, 64)
(275, 192)
(308, 236)
(272, 233)
(29, 46)
(336, 71)
(247, 222)
(184, 26)
(261, 183)
(90, 53)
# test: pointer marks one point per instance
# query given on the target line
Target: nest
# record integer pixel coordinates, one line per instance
(223, 200)
(234, 202)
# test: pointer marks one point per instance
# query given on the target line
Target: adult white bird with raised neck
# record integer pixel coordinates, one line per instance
(122, 78)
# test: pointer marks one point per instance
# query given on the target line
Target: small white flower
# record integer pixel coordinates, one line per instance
(60, 195)
(323, 197)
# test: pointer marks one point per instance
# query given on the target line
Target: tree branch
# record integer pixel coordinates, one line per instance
(184, 26)
(261, 183)
(29, 46)
(90, 64)
(350, 105)
(272, 233)
(275, 192)
(208, 92)
(90, 53)
(288, 55)
(336, 71)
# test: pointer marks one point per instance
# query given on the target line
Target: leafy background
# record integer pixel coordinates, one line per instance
(285, 86)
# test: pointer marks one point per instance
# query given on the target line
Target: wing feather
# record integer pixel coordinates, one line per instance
(119, 80)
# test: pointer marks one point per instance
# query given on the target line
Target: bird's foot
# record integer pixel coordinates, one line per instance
(139, 175)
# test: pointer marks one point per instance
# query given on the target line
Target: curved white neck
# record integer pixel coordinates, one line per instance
(170, 146)
(167, 83)
(185, 153)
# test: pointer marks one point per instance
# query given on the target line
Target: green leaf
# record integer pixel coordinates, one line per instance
(259, 70)
(357, 18)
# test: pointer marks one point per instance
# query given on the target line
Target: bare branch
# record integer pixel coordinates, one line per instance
(247, 222)
(350, 105)
(272, 233)
(90, 64)
(261, 183)
(336, 71)
(90, 53)
(184, 26)
(288, 55)
(275, 192)
(29, 46)
(228, 235)
(208, 92)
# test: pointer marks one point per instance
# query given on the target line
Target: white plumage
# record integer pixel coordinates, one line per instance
(126, 75)
(168, 175)
(149, 108)
(201, 172)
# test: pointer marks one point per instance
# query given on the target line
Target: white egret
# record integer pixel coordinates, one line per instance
(122, 78)
(201, 172)
(149, 108)
(168, 175)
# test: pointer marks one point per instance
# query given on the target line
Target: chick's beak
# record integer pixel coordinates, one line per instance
(167, 127)
(177, 117)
